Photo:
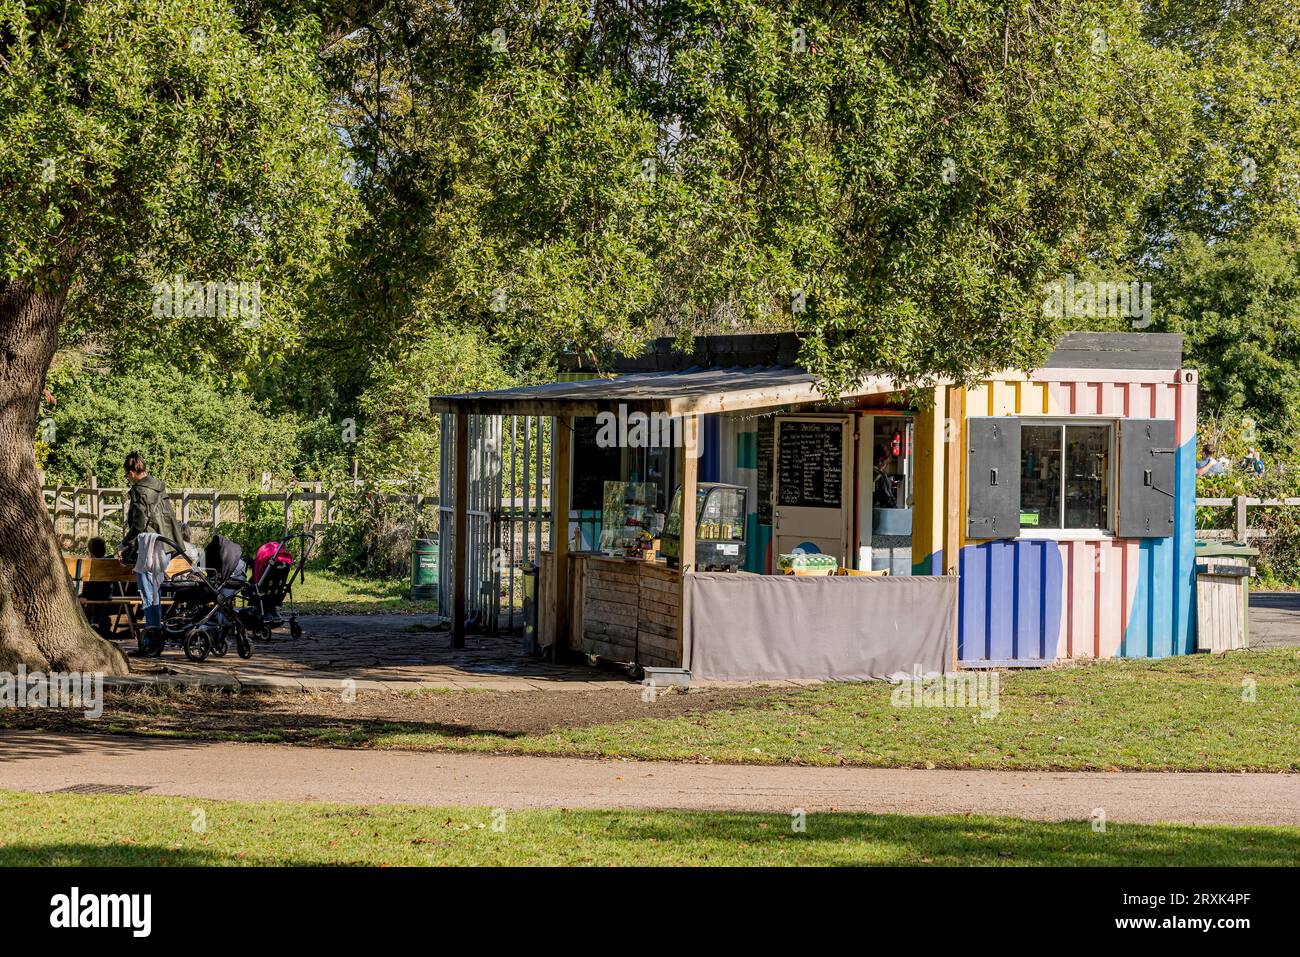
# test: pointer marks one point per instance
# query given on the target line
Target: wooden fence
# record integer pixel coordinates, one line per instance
(81, 512)
(1240, 505)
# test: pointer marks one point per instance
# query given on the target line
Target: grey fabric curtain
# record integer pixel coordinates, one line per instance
(767, 627)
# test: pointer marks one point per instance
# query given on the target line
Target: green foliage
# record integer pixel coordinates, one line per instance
(1238, 173)
(193, 431)
(1233, 436)
(140, 139)
(263, 521)
(595, 173)
(372, 535)
(398, 436)
(1237, 304)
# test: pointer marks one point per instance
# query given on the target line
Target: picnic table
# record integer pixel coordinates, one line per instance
(83, 569)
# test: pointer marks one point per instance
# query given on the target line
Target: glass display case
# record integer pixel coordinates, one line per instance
(628, 520)
(719, 527)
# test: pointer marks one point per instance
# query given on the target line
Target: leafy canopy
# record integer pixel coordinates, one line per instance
(140, 139)
(900, 178)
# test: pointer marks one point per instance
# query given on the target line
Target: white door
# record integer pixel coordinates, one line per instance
(813, 485)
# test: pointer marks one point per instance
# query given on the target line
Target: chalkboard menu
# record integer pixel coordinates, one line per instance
(763, 459)
(593, 466)
(810, 464)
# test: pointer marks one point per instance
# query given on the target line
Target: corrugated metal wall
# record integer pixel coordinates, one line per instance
(1031, 601)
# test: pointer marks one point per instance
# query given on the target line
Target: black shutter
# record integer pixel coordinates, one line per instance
(1147, 448)
(993, 478)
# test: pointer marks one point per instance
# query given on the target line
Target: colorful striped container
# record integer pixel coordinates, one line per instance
(1032, 601)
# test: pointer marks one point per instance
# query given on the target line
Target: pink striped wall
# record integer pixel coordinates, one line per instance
(1113, 588)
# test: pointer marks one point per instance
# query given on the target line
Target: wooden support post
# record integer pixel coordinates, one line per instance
(1241, 519)
(954, 491)
(560, 530)
(460, 566)
(96, 507)
(928, 512)
(689, 461)
(689, 471)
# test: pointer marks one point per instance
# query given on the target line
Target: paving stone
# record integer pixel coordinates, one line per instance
(269, 682)
(378, 654)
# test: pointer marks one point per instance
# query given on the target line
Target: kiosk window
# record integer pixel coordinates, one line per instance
(1065, 477)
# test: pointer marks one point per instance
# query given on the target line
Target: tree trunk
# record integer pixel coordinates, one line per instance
(41, 623)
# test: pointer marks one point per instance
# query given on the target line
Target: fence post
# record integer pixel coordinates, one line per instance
(92, 506)
(1241, 518)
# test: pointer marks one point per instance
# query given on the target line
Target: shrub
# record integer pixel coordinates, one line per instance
(370, 535)
(192, 431)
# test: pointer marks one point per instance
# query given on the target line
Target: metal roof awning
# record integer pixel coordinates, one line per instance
(694, 391)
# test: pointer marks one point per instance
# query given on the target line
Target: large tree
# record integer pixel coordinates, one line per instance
(900, 177)
(142, 140)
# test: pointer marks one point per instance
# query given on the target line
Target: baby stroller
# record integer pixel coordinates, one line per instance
(275, 571)
(203, 617)
(227, 605)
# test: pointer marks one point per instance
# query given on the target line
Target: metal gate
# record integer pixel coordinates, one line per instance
(511, 464)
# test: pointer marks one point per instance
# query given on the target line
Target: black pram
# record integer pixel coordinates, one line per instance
(227, 604)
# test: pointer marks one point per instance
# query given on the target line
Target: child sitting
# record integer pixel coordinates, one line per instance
(99, 616)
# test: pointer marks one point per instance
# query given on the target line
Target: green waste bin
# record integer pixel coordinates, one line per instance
(1223, 573)
(424, 570)
(530, 609)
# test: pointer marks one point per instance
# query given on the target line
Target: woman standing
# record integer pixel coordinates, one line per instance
(149, 513)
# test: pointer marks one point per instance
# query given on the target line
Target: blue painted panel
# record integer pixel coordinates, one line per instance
(1185, 549)
(1161, 640)
(1137, 634)
(1001, 601)
(1162, 620)
(972, 608)
(1030, 610)
(1010, 601)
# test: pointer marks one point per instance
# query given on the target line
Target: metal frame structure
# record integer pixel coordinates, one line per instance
(508, 525)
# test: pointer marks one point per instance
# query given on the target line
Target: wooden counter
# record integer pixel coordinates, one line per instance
(620, 609)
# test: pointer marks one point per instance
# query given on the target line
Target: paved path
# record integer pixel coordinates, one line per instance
(382, 652)
(36, 761)
(1274, 619)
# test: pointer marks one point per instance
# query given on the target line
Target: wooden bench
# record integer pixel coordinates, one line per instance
(84, 569)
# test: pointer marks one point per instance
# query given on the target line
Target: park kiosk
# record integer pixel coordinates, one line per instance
(1028, 518)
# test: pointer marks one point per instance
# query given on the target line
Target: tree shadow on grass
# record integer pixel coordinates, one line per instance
(858, 839)
(110, 855)
(256, 722)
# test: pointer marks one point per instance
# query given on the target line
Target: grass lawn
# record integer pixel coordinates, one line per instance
(68, 830)
(328, 592)
(1190, 713)
(1237, 711)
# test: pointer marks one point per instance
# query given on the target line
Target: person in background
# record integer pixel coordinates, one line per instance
(149, 511)
(886, 490)
(1253, 463)
(100, 618)
(1211, 464)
